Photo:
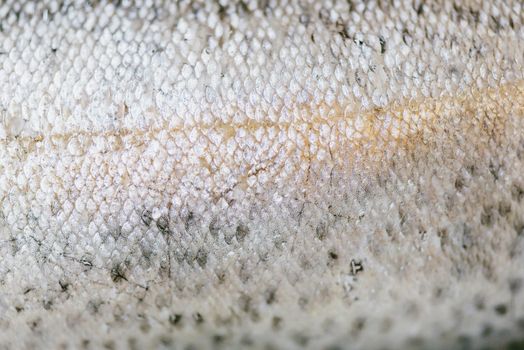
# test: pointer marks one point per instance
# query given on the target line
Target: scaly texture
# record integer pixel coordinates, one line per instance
(261, 174)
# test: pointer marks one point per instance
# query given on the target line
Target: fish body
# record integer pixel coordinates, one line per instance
(260, 173)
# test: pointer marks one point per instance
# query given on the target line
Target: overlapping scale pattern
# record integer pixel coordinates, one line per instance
(261, 173)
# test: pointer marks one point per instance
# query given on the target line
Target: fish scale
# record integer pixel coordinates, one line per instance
(302, 174)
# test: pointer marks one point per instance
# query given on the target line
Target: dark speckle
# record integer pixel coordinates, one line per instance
(486, 218)
(517, 193)
(501, 309)
(147, 217)
(323, 15)
(459, 183)
(221, 275)
(93, 306)
(332, 257)
(518, 227)
(270, 296)
(64, 285)
(241, 232)
(118, 273)
(175, 319)
(301, 339)
(487, 330)
(218, 339)
(201, 257)
(494, 170)
(437, 293)
(420, 10)
(494, 24)
(213, 227)
(86, 260)
(321, 231)
(276, 323)
(358, 325)
(47, 304)
(504, 208)
(189, 220)
(163, 224)
(34, 324)
(356, 266)
(406, 37)
(302, 302)
(382, 42)
(109, 345)
(199, 319)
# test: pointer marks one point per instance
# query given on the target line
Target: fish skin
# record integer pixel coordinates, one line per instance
(280, 175)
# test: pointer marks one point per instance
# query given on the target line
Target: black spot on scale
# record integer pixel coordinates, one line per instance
(47, 304)
(34, 325)
(406, 37)
(93, 306)
(201, 257)
(175, 319)
(118, 273)
(199, 319)
(501, 309)
(241, 232)
(301, 339)
(358, 326)
(218, 339)
(64, 285)
(163, 225)
(382, 42)
(146, 217)
(332, 257)
(486, 217)
(270, 296)
(420, 9)
(504, 208)
(189, 220)
(321, 231)
(356, 267)
(459, 183)
(517, 192)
